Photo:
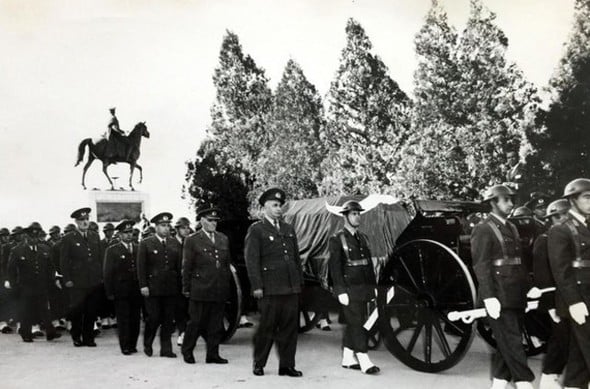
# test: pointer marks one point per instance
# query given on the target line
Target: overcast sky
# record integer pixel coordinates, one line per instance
(63, 63)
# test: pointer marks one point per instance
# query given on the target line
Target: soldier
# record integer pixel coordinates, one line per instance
(54, 236)
(569, 257)
(503, 285)
(158, 266)
(81, 259)
(276, 276)
(122, 286)
(557, 345)
(31, 273)
(136, 234)
(93, 227)
(206, 278)
(352, 273)
(107, 309)
(182, 228)
(11, 298)
(4, 293)
(538, 204)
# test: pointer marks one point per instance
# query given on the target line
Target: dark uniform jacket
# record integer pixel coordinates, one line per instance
(542, 277)
(158, 267)
(572, 280)
(508, 283)
(31, 273)
(205, 267)
(120, 271)
(272, 258)
(351, 269)
(81, 259)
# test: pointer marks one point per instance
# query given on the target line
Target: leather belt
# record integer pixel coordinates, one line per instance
(582, 263)
(507, 262)
(357, 262)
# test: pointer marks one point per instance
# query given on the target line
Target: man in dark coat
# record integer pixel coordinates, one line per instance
(276, 276)
(557, 345)
(81, 258)
(122, 287)
(31, 274)
(182, 228)
(353, 276)
(206, 278)
(503, 285)
(4, 293)
(10, 311)
(569, 257)
(158, 267)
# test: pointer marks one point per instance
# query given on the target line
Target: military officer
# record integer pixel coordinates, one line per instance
(108, 231)
(206, 278)
(557, 344)
(4, 299)
(54, 235)
(81, 258)
(158, 266)
(11, 298)
(182, 228)
(569, 257)
(353, 276)
(31, 273)
(503, 284)
(122, 287)
(274, 269)
(538, 204)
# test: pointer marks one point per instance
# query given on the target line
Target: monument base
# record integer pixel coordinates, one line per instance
(114, 206)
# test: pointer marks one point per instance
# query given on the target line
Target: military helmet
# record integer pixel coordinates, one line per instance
(522, 212)
(351, 205)
(576, 187)
(557, 207)
(496, 191)
(4, 231)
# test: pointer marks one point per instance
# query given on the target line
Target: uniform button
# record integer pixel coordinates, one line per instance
(285, 251)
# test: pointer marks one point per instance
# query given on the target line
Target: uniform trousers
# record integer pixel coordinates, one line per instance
(578, 363)
(127, 310)
(33, 310)
(160, 314)
(84, 304)
(206, 319)
(181, 315)
(355, 336)
(557, 348)
(509, 361)
(279, 321)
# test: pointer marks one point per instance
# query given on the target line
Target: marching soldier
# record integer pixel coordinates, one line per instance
(158, 266)
(122, 287)
(81, 259)
(557, 345)
(353, 276)
(569, 257)
(503, 285)
(206, 278)
(31, 274)
(182, 228)
(11, 299)
(4, 293)
(276, 276)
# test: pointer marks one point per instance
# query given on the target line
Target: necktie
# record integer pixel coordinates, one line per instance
(212, 236)
(130, 248)
(277, 226)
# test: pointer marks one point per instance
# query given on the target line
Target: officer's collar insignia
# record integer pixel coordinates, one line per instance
(278, 195)
(165, 218)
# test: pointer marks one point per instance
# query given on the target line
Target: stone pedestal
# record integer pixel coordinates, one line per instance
(114, 206)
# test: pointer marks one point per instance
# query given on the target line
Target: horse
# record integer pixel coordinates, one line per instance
(98, 151)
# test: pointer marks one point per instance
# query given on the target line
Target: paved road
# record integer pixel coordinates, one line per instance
(59, 365)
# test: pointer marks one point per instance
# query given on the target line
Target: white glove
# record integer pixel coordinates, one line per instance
(578, 312)
(145, 291)
(7, 284)
(493, 307)
(554, 317)
(343, 299)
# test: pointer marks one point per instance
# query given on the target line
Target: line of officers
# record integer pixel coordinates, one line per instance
(161, 273)
(561, 259)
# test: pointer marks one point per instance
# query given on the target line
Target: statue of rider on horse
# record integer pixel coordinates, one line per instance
(115, 147)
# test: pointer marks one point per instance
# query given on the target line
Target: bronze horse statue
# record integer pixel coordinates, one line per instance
(125, 153)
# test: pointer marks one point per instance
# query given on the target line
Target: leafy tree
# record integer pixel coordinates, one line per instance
(366, 120)
(292, 161)
(563, 145)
